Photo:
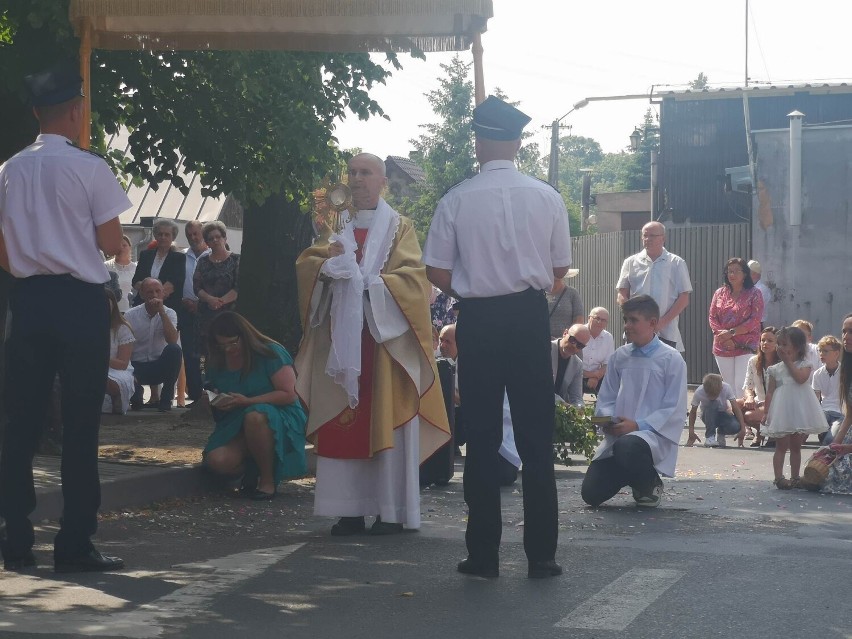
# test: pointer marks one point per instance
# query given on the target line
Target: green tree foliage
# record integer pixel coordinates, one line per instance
(446, 149)
(256, 124)
(701, 82)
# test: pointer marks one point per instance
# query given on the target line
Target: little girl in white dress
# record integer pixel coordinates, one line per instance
(793, 411)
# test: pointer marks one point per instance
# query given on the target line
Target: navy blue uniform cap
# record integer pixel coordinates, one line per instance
(54, 86)
(495, 119)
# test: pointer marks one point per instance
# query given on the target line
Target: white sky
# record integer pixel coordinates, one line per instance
(550, 54)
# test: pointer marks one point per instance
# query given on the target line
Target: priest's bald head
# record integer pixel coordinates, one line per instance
(367, 180)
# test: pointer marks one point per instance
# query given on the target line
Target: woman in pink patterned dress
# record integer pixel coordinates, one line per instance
(735, 313)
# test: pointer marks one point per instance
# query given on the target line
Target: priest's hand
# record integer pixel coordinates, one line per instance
(620, 427)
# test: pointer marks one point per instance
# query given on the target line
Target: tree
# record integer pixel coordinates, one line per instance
(446, 150)
(701, 82)
(258, 125)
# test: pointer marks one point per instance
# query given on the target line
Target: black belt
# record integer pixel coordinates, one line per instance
(530, 292)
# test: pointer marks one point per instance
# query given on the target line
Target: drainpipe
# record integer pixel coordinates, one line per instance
(796, 167)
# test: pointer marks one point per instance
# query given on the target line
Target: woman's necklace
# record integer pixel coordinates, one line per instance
(219, 260)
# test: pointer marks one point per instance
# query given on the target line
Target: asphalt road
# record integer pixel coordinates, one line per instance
(726, 555)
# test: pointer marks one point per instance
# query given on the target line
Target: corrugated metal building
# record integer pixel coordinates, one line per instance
(703, 133)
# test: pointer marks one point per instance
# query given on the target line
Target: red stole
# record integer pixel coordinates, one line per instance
(347, 436)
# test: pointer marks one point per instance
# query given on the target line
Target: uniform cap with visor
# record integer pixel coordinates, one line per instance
(54, 86)
(495, 119)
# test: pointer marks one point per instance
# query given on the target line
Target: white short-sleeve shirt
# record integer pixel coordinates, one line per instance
(598, 350)
(52, 196)
(149, 333)
(664, 279)
(828, 387)
(500, 232)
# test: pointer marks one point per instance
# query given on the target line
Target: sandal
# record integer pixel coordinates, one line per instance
(783, 484)
(795, 482)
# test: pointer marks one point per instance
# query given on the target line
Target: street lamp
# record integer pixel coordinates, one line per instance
(635, 139)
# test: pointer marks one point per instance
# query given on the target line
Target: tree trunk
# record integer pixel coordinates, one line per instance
(274, 234)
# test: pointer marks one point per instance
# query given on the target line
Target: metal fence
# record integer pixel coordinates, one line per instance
(705, 249)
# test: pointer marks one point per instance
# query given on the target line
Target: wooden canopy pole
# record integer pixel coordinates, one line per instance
(478, 75)
(85, 72)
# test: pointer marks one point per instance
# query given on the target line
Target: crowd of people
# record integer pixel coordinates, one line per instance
(364, 388)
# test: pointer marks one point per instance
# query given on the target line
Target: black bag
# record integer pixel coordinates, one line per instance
(440, 467)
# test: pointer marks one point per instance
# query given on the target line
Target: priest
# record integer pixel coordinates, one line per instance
(366, 368)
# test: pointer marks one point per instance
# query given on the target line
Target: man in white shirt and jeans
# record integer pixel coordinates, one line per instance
(156, 354)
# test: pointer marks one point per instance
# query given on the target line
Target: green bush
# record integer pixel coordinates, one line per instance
(574, 433)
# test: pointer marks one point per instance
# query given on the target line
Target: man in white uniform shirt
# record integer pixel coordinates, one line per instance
(496, 243)
(644, 394)
(597, 351)
(188, 313)
(60, 319)
(662, 275)
(156, 354)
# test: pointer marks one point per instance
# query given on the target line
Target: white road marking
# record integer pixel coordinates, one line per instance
(620, 602)
(206, 580)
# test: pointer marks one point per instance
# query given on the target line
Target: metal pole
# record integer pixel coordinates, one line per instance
(585, 198)
(746, 43)
(654, 179)
(85, 73)
(478, 74)
(553, 167)
(796, 167)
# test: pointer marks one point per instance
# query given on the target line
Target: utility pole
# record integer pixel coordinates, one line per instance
(553, 166)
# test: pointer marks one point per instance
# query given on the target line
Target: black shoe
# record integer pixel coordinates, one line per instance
(248, 483)
(262, 495)
(27, 560)
(136, 405)
(542, 569)
(380, 527)
(470, 567)
(92, 561)
(347, 526)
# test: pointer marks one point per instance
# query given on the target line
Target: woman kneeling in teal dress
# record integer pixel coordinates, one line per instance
(260, 429)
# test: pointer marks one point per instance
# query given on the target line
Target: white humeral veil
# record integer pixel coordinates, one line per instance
(388, 484)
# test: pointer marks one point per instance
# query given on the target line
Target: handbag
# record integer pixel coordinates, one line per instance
(816, 470)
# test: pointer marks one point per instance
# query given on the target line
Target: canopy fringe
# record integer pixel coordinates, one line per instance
(277, 8)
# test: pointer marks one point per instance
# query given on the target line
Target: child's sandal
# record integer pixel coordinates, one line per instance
(783, 483)
(795, 482)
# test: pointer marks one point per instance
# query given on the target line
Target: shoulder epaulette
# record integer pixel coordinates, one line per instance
(95, 153)
(545, 182)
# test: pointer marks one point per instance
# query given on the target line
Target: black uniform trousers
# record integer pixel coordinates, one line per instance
(504, 345)
(59, 325)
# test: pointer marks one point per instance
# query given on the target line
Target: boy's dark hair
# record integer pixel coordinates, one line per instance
(642, 304)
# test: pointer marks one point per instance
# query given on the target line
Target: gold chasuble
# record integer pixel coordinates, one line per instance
(404, 382)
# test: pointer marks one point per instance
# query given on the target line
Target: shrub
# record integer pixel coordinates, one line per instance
(574, 433)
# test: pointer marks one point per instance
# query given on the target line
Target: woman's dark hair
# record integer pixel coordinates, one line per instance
(845, 373)
(796, 336)
(252, 341)
(747, 282)
(762, 364)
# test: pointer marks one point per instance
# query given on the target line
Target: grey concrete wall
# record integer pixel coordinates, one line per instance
(807, 267)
